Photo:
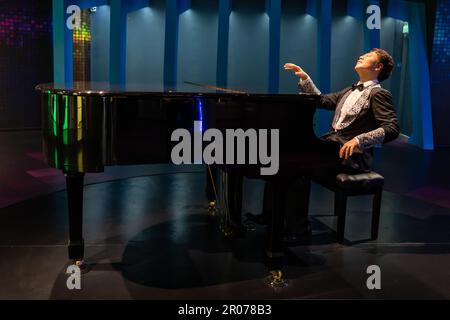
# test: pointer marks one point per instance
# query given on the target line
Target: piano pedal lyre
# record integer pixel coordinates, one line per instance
(219, 207)
(276, 280)
(212, 205)
(78, 263)
(212, 208)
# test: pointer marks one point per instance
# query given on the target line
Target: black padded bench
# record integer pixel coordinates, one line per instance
(347, 185)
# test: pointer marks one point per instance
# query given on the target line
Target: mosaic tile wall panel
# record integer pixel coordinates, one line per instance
(25, 60)
(440, 75)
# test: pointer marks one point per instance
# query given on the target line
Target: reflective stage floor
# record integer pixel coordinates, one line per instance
(148, 235)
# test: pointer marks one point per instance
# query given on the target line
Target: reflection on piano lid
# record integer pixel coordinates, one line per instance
(131, 89)
(106, 88)
(219, 89)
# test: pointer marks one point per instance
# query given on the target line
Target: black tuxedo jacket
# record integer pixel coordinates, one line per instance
(378, 112)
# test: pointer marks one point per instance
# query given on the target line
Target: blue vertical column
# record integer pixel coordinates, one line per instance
(62, 44)
(171, 43)
(356, 9)
(222, 43)
(398, 9)
(118, 37)
(86, 4)
(173, 10)
(274, 12)
(324, 44)
(134, 5)
(371, 37)
(118, 29)
(312, 8)
(324, 9)
(422, 135)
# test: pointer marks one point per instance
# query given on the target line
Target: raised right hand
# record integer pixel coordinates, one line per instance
(298, 71)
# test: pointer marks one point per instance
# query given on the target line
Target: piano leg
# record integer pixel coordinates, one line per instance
(74, 183)
(230, 204)
(275, 233)
(297, 209)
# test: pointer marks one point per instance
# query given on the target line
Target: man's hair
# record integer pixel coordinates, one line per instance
(387, 61)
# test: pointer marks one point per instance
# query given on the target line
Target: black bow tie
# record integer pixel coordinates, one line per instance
(360, 87)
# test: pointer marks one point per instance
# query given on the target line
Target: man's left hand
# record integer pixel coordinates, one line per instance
(348, 148)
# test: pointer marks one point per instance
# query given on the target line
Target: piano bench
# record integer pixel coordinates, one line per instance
(347, 185)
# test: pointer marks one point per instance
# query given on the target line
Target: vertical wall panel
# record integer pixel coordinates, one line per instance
(322, 117)
(422, 135)
(396, 43)
(171, 42)
(62, 61)
(197, 54)
(118, 40)
(223, 35)
(100, 28)
(440, 80)
(388, 42)
(274, 12)
(248, 46)
(145, 44)
(347, 45)
(298, 44)
(371, 37)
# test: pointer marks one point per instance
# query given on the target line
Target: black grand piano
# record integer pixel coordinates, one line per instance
(87, 126)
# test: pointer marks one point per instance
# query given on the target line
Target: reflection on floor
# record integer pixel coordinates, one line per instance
(148, 236)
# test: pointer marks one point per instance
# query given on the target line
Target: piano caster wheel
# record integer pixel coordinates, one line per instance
(276, 280)
(212, 207)
(78, 263)
(84, 267)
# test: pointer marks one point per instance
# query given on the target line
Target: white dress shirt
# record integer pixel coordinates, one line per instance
(352, 98)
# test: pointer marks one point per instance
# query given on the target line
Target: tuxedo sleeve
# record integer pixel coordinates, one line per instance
(327, 101)
(385, 118)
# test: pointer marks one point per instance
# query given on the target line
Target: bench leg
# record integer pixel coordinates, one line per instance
(336, 204)
(340, 208)
(376, 212)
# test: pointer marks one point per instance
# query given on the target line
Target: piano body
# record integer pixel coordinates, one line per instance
(87, 126)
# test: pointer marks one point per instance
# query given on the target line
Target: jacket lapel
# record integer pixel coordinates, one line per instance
(355, 110)
(337, 113)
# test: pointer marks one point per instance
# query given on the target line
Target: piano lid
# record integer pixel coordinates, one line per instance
(181, 89)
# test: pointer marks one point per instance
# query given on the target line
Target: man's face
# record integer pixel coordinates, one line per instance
(369, 62)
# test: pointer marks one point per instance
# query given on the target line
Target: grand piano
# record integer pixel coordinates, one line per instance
(87, 126)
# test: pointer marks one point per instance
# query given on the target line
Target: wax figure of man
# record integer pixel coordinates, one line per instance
(364, 116)
(364, 113)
